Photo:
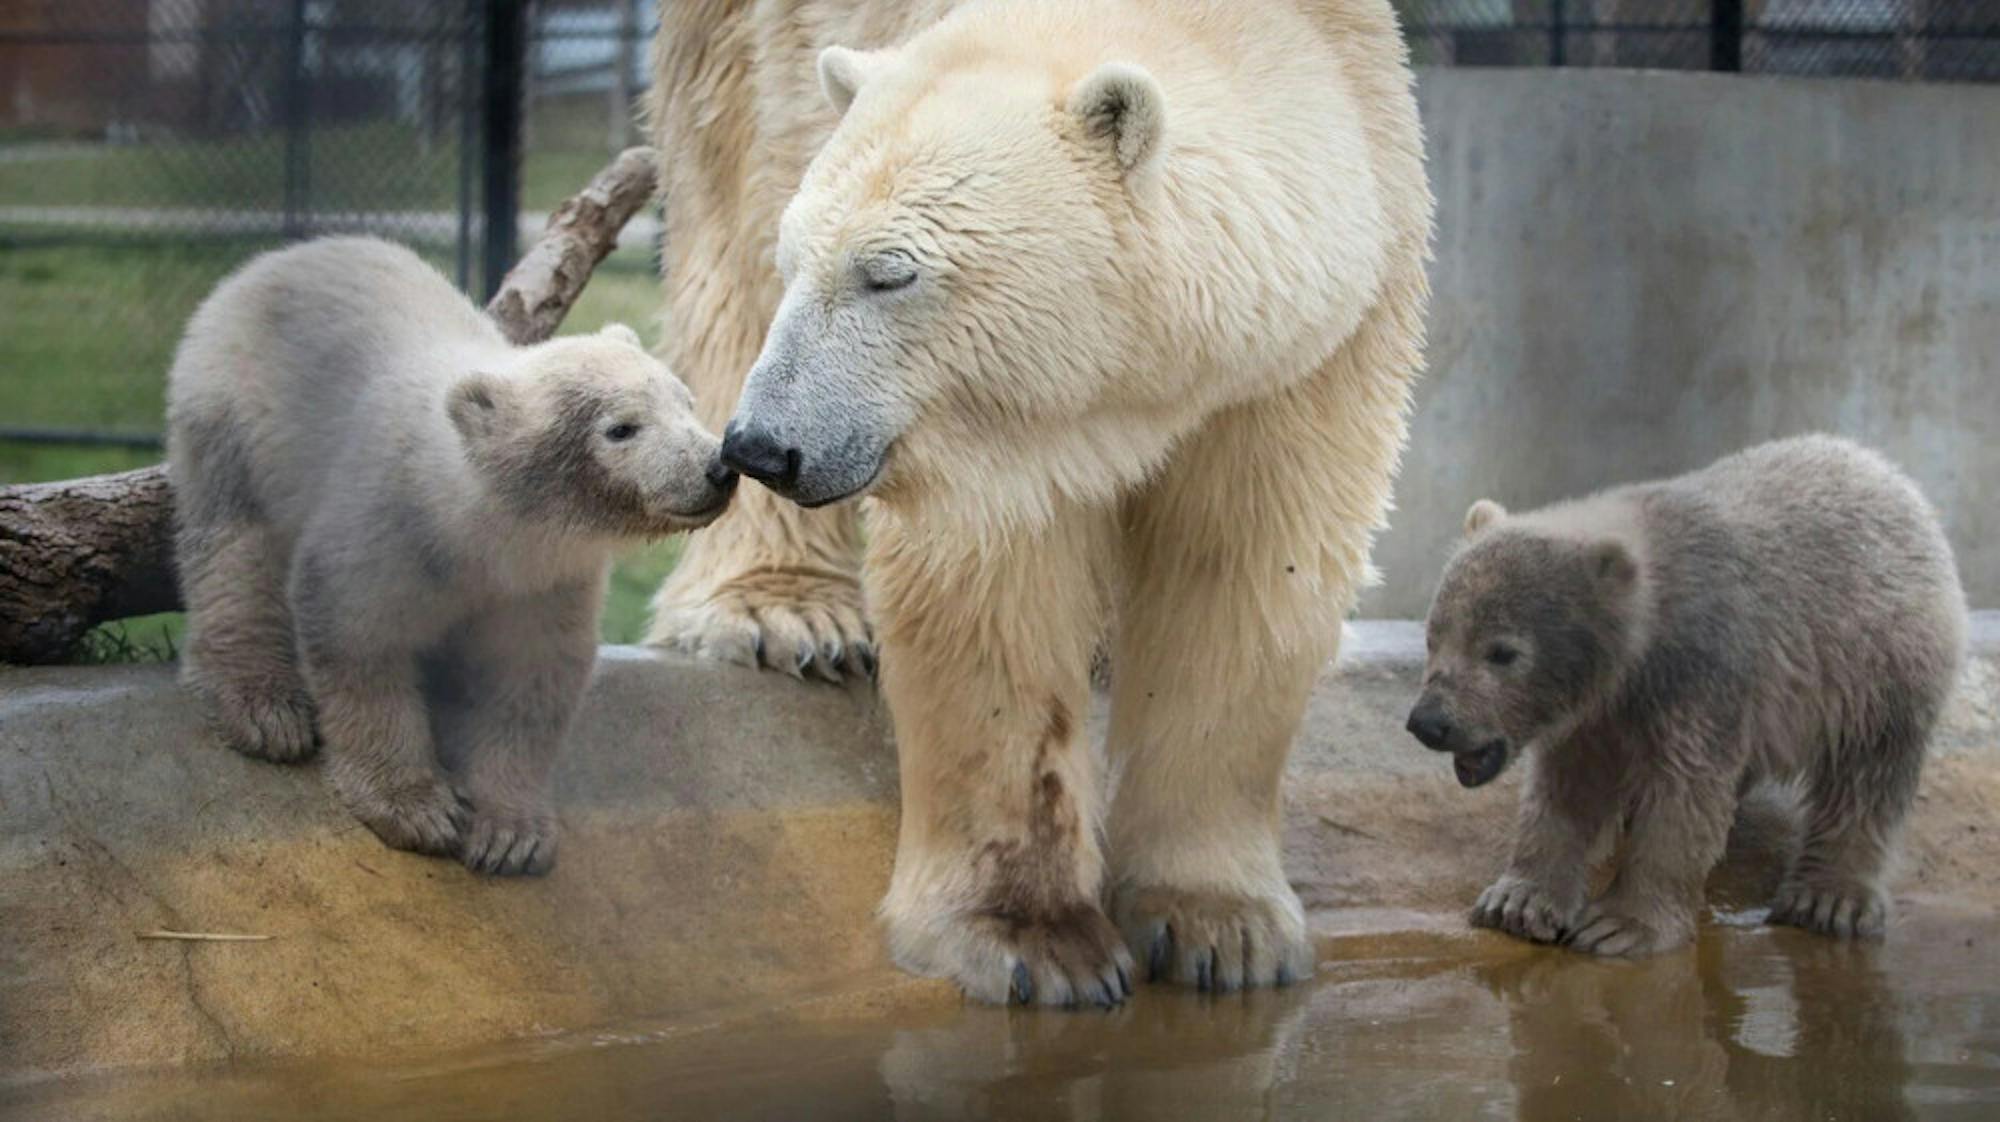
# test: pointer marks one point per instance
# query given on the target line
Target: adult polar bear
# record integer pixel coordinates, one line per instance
(1113, 310)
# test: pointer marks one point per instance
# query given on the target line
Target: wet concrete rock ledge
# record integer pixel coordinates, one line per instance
(727, 834)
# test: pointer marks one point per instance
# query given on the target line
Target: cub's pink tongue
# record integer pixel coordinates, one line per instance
(1479, 766)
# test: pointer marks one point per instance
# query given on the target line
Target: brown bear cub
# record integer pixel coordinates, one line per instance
(1790, 613)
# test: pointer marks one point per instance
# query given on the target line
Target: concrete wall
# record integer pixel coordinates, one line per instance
(1639, 272)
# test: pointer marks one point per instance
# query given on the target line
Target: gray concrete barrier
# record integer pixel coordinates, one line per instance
(1639, 272)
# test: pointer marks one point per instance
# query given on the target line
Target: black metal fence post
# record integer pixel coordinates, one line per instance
(469, 39)
(1558, 52)
(1725, 35)
(500, 149)
(298, 126)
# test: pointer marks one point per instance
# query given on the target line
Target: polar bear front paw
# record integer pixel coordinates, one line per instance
(1068, 956)
(274, 725)
(1526, 909)
(1611, 931)
(1215, 941)
(424, 814)
(507, 844)
(803, 624)
(1844, 911)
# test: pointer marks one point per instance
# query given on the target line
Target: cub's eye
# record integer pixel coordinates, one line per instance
(888, 272)
(621, 432)
(1502, 654)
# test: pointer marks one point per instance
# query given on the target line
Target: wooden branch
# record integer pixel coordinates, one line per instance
(75, 554)
(540, 288)
(80, 552)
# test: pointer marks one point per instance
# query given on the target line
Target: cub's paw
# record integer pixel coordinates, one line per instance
(507, 844)
(1068, 956)
(423, 814)
(1613, 932)
(1215, 941)
(1844, 911)
(1525, 909)
(275, 725)
(798, 623)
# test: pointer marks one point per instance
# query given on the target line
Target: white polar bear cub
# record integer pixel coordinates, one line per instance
(395, 524)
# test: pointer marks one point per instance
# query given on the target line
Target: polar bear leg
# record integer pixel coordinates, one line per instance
(379, 758)
(372, 713)
(1200, 735)
(1854, 808)
(1239, 561)
(239, 659)
(986, 663)
(503, 696)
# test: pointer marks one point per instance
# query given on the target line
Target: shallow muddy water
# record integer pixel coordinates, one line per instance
(1409, 1017)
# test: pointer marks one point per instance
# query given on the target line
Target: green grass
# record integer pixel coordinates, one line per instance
(362, 167)
(633, 580)
(155, 638)
(92, 331)
(93, 328)
(372, 167)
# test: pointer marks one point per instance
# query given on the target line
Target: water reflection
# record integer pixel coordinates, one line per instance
(1750, 1025)
(1166, 1055)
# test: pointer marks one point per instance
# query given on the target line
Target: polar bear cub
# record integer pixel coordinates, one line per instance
(1790, 613)
(394, 526)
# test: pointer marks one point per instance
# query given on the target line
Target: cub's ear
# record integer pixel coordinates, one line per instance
(1612, 564)
(1121, 104)
(843, 71)
(1482, 514)
(621, 333)
(480, 405)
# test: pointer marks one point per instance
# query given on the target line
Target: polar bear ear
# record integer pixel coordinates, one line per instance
(1484, 513)
(843, 71)
(621, 333)
(1122, 104)
(479, 406)
(1612, 564)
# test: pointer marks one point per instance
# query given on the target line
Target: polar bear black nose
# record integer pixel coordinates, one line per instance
(1430, 726)
(756, 452)
(721, 476)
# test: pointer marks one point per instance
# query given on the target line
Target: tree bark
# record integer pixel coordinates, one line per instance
(540, 289)
(77, 553)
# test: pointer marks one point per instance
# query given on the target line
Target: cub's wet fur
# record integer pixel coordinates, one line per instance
(1791, 613)
(394, 528)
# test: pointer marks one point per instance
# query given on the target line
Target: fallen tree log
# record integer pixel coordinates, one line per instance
(80, 552)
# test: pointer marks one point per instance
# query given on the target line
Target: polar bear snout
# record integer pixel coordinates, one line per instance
(722, 477)
(1430, 724)
(823, 468)
(759, 453)
(721, 480)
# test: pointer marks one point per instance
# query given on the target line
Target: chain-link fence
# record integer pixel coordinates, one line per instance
(148, 147)
(1918, 40)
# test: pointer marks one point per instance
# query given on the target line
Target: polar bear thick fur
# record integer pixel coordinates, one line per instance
(1112, 311)
(396, 525)
(1788, 615)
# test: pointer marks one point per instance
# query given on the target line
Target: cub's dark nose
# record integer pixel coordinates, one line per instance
(721, 476)
(756, 452)
(1430, 726)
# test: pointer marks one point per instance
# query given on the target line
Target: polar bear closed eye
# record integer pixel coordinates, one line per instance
(1108, 311)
